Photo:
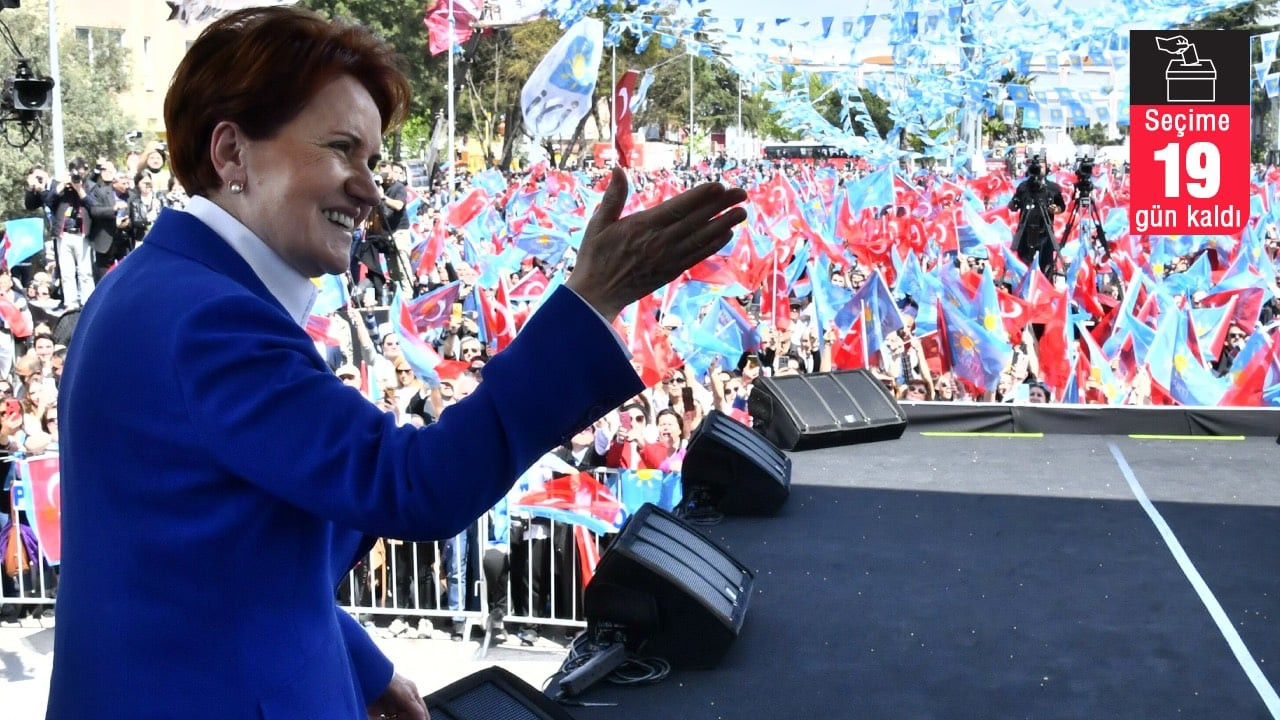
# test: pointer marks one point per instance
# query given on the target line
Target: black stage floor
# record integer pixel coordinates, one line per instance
(1001, 577)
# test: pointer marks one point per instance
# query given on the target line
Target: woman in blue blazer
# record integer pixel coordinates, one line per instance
(218, 480)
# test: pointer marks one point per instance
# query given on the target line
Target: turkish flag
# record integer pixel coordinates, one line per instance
(42, 500)
(428, 251)
(776, 198)
(850, 353)
(19, 324)
(530, 287)
(433, 310)
(622, 94)
(775, 298)
(463, 211)
(500, 326)
(650, 347)
(1015, 312)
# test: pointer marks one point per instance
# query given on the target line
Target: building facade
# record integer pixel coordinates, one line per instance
(156, 44)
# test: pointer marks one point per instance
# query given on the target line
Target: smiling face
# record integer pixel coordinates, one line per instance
(309, 186)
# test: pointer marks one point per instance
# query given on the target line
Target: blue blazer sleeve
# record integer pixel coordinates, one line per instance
(218, 479)
(264, 410)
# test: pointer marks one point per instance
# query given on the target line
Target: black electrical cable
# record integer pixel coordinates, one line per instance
(633, 671)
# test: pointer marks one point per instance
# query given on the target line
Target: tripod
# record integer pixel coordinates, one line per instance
(1082, 197)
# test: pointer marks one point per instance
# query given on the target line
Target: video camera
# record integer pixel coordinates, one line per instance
(25, 94)
(23, 99)
(1085, 158)
(1035, 166)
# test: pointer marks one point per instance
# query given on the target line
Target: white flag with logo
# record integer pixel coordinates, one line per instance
(558, 94)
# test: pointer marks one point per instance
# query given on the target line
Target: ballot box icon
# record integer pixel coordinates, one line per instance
(1190, 83)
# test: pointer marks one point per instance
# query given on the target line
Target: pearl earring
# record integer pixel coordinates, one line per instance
(237, 188)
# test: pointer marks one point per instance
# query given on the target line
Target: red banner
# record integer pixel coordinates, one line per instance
(622, 116)
(1190, 109)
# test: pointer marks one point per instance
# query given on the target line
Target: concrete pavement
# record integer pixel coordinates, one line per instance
(26, 660)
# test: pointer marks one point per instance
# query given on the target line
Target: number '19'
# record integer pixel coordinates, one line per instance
(1203, 165)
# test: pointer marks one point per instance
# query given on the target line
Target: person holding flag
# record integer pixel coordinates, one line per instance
(230, 456)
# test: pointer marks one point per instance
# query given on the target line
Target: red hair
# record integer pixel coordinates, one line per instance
(258, 68)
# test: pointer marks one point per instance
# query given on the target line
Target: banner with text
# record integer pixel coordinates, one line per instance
(1189, 131)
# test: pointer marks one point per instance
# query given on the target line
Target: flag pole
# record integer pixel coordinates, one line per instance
(449, 170)
(738, 149)
(613, 95)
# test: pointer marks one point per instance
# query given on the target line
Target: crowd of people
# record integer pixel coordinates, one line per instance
(96, 216)
(422, 239)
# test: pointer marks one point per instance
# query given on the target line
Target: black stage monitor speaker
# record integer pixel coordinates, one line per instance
(667, 591)
(798, 412)
(734, 468)
(492, 694)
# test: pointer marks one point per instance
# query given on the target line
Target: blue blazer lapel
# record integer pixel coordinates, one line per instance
(183, 234)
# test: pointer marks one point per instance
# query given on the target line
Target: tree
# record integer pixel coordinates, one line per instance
(1002, 133)
(1248, 17)
(831, 106)
(1095, 135)
(94, 124)
(400, 24)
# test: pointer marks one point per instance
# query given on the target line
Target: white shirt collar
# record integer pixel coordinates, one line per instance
(293, 290)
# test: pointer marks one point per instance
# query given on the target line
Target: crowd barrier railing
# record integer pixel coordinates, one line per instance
(532, 582)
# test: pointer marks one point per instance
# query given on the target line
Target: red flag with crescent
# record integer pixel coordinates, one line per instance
(622, 95)
(500, 326)
(42, 501)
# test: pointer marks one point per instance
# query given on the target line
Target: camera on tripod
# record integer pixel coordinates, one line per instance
(1083, 198)
(1035, 167)
(1083, 169)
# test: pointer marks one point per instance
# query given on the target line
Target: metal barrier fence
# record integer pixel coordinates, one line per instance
(532, 582)
(31, 590)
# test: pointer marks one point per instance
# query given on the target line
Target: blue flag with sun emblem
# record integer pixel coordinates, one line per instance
(558, 93)
(977, 355)
(637, 487)
(1175, 364)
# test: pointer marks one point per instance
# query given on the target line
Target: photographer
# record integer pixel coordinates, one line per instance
(144, 205)
(111, 228)
(1036, 200)
(394, 196)
(37, 190)
(36, 195)
(70, 224)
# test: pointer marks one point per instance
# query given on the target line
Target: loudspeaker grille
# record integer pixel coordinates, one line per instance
(698, 545)
(486, 701)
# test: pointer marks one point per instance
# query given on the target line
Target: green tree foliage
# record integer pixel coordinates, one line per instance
(1249, 17)
(400, 24)
(999, 132)
(1095, 135)
(831, 106)
(94, 124)
(1246, 16)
